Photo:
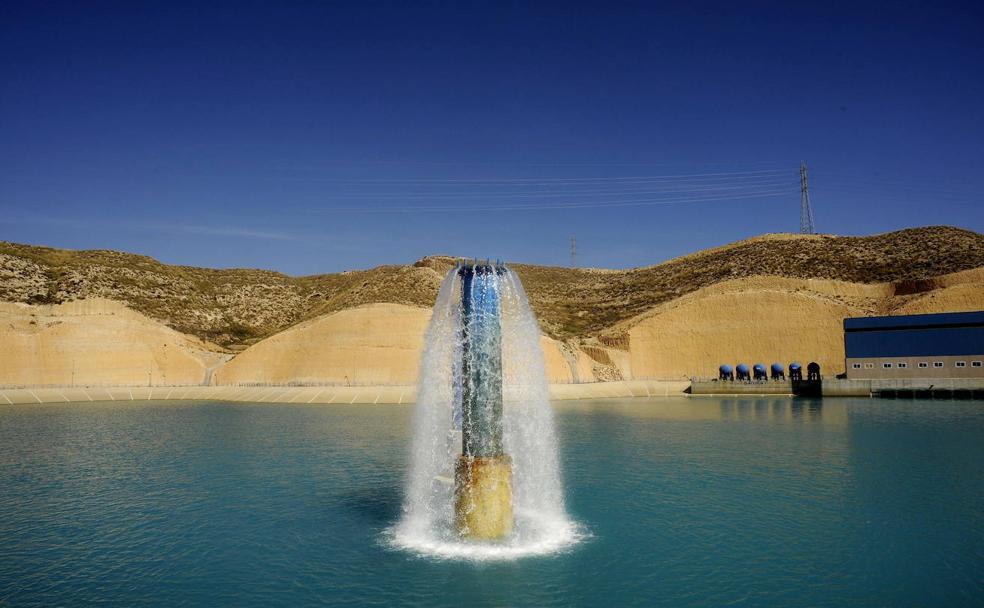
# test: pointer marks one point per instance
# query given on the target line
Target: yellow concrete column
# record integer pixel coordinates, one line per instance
(483, 497)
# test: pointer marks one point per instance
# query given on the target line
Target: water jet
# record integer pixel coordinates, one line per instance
(484, 476)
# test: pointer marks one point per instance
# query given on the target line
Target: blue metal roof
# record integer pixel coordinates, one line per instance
(914, 321)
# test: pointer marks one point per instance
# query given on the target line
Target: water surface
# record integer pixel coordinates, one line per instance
(688, 502)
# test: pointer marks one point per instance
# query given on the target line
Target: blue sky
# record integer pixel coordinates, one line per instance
(314, 137)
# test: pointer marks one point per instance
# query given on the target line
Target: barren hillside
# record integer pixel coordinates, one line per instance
(585, 302)
(235, 308)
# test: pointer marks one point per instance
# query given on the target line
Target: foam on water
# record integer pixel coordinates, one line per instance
(541, 525)
(534, 536)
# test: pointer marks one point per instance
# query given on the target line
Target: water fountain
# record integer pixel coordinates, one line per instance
(484, 477)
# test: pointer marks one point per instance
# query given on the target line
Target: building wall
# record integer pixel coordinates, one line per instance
(947, 345)
(904, 342)
(949, 369)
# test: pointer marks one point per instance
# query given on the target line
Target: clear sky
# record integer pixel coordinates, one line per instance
(319, 136)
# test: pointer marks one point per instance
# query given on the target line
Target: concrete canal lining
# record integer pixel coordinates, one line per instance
(405, 394)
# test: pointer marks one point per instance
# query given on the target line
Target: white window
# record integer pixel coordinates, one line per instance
(923, 364)
(902, 364)
(857, 366)
(961, 364)
(869, 365)
(975, 363)
(887, 365)
(937, 364)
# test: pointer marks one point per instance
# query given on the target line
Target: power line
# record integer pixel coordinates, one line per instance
(553, 180)
(368, 162)
(661, 189)
(572, 205)
(508, 194)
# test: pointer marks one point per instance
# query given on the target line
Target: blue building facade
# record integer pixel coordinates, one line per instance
(945, 345)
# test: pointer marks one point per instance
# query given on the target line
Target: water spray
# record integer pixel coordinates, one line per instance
(484, 477)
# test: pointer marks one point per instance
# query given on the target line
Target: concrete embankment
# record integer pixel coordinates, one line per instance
(837, 387)
(316, 394)
(406, 394)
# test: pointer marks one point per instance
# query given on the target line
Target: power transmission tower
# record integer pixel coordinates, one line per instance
(573, 251)
(806, 210)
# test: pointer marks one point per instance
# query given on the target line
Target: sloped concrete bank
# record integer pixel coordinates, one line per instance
(316, 394)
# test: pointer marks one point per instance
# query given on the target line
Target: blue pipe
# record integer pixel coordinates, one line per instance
(481, 370)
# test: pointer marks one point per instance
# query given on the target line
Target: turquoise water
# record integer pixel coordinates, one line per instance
(687, 502)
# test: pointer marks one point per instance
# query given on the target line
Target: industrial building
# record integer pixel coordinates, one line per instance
(947, 345)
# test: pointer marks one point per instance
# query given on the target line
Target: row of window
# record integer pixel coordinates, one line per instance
(903, 364)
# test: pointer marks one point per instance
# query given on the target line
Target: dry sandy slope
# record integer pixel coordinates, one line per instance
(236, 308)
(98, 342)
(766, 319)
(102, 342)
(756, 319)
(960, 291)
(371, 344)
(746, 320)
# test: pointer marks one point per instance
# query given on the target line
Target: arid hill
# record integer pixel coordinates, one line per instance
(586, 302)
(232, 308)
(235, 308)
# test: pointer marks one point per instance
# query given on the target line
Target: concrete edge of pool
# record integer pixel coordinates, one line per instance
(316, 394)
(406, 394)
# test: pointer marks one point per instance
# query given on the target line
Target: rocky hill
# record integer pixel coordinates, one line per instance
(235, 308)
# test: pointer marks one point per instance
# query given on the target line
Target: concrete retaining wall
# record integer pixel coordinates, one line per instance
(407, 394)
(835, 387)
(317, 394)
(709, 387)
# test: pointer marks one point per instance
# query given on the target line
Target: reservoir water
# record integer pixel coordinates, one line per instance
(679, 502)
